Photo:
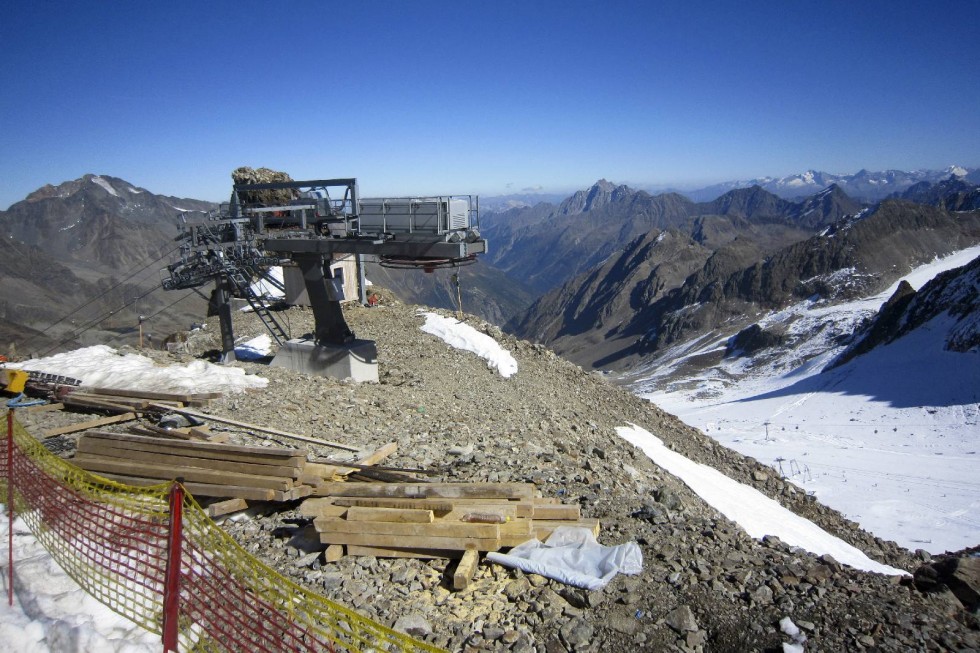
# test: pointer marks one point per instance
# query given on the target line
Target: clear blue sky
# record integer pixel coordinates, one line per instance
(486, 97)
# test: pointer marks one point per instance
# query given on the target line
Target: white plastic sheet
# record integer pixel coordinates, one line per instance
(572, 556)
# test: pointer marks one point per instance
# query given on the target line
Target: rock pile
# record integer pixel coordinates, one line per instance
(246, 175)
(705, 586)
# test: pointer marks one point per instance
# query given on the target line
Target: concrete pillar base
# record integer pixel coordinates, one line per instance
(357, 361)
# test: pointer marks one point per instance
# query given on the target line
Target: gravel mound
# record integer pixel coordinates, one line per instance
(706, 586)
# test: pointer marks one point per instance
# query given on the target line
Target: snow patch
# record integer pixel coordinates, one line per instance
(103, 366)
(753, 511)
(105, 184)
(463, 336)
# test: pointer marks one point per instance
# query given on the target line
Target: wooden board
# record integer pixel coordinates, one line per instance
(93, 404)
(401, 552)
(43, 408)
(103, 449)
(202, 489)
(542, 528)
(465, 569)
(430, 490)
(321, 508)
(96, 463)
(296, 457)
(169, 435)
(410, 541)
(407, 516)
(142, 394)
(453, 529)
(133, 403)
(438, 506)
(570, 512)
(226, 507)
(90, 424)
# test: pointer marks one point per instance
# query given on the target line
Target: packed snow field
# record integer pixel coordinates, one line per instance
(890, 439)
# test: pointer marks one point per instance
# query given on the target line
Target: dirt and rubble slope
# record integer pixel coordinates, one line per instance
(705, 585)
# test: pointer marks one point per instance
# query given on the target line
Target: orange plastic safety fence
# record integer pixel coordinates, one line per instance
(113, 540)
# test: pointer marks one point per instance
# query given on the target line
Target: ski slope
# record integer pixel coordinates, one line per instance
(890, 439)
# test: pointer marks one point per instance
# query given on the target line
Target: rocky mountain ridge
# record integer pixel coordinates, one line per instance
(864, 185)
(545, 246)
(80, 253)
(638, 313)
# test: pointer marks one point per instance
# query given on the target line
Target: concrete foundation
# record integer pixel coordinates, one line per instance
(357, 360)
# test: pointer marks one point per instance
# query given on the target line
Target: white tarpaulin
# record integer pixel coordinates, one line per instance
(572, 556)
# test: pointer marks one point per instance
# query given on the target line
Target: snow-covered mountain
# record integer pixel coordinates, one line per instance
(862, 185)
(889, 438)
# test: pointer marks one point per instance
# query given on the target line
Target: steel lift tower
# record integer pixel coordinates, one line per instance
(269, 224)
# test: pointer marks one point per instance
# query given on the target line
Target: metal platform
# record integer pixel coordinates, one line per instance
(357, 360)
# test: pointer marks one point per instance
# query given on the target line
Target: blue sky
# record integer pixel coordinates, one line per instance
(482, 97)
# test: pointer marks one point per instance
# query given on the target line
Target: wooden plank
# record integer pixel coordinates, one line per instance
(226, 507)
(43, 408)
(570, 512)
(462, 510)
(261, 429)
(90, 424)
(430, 490)
(134, 404)
(395, 552)
(379, 454)
(202, 448)
(164, 396)
(77, 402)
(312, 508)
(437, 506)
(452, 529)
(298, 492)
(372, 474)
(407, 515)
(199, 489)
(410, 541)
(465, 569)
(321, 471)
(105, 450)
(192, 474)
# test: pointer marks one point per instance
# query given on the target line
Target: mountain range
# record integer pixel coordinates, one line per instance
(77, 255)
(606, 276)
(749, 251)
(863, 185)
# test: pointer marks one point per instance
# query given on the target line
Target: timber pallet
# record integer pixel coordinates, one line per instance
(436, 520)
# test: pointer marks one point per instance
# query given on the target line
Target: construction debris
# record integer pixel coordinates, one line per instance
(207, 469)
(435, 520)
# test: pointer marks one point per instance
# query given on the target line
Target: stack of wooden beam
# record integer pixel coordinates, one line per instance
(435, 520)
(209, 469)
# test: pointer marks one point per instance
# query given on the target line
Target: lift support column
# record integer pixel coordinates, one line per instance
(333, 351)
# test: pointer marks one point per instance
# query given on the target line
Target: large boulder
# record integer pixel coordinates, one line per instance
(960, 574)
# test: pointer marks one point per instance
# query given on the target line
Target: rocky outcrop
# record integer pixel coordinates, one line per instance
(954, 293)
